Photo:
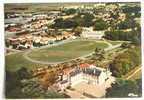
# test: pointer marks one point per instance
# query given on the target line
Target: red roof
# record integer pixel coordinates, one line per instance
(84, 65)
(13, 39)
(67, 71)
(14, 29)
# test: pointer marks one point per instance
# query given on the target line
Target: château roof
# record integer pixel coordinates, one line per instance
(85, 65)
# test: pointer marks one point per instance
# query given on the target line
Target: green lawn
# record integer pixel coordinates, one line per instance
(57, 53)
(15, 61)
(66, 51)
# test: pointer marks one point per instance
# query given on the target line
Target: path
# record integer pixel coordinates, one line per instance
(14, 51)
(133, 73)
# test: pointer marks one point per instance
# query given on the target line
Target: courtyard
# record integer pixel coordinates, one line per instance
(84, 89)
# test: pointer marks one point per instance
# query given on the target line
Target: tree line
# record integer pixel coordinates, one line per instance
(134, 35)
(22, 84)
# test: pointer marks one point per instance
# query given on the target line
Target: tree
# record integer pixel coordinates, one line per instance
(77, 31)
(70, 11)
(130, 9)
(134, 36)
(122, 88)
(48, 79)
(125, 45)
(13, 86)
(7, 43)
(79, 20)
(84, 19)
(30, 88)
(100, 25)
(58, 23)
(23, 73)
(139, 83)
(88, 19)
(67, 23)
(124, 25)
(99, 53)
(129, 23)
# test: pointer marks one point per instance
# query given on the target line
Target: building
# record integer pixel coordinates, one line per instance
(89, 33)
(84, 72)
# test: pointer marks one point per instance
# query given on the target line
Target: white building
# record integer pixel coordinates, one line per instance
(84, 72)
(89, 33)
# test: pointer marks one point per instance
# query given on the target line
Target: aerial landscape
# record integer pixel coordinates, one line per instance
(73, 50)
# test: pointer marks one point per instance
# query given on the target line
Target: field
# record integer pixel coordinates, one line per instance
(16, 61)
(40, 7)
(66, 51)
(53, 54)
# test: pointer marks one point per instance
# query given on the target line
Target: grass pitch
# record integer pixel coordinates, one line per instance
(58, 53)
(67, 51)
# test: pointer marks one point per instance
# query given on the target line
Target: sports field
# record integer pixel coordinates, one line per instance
(53, 54)
(66, 51)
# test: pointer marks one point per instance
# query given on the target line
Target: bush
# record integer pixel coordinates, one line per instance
(126, 61)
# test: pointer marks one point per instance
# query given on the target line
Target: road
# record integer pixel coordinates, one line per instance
(133, 73)
(14, 51)
(110, 47)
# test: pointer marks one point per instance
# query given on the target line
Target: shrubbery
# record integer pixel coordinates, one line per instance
(126, 61)
(122, 88)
